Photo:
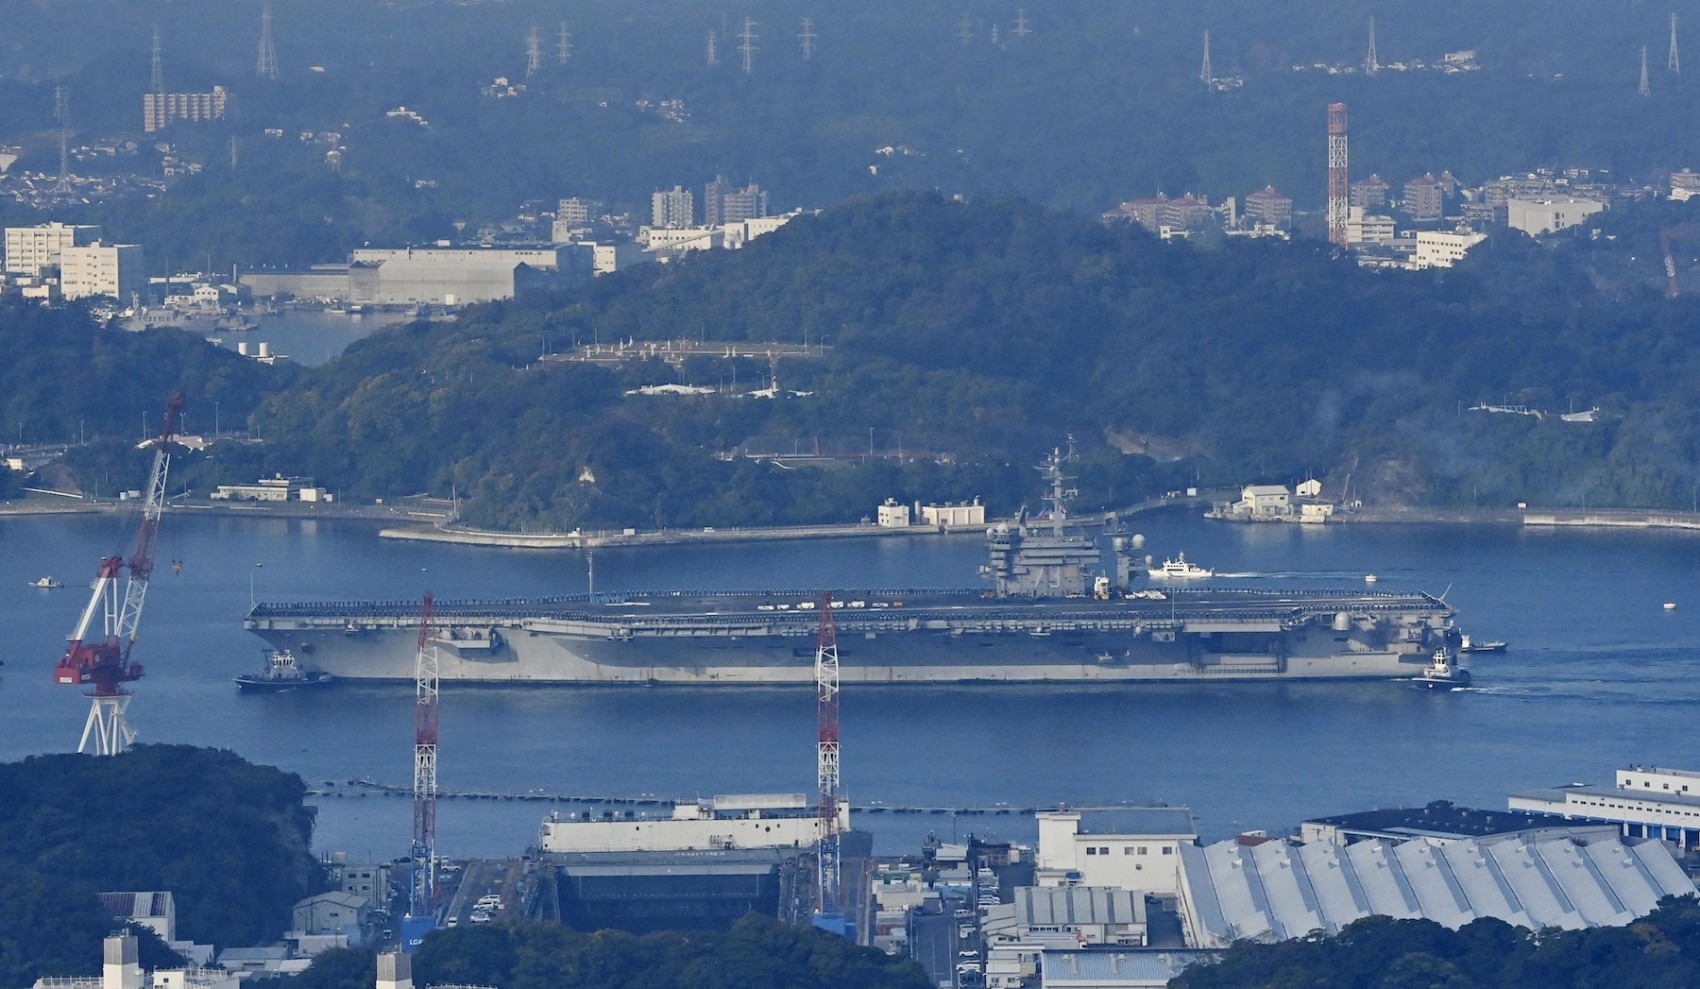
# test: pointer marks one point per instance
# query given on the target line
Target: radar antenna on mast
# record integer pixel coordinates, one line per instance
(105, 664)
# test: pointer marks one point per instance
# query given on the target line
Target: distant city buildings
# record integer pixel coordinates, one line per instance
(1368, 194)
(160, 109)
(672, 209)
(1442, 249)
(1270, 208)
(31, 251)
(1159, 212)
(722, 204)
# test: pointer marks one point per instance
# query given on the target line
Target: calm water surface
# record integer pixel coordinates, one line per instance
(1598, 676)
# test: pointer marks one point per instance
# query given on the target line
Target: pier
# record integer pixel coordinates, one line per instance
(367, 787)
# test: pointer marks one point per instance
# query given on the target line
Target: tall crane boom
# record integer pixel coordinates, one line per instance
(105, 664)
(829, 879)
(424, 900)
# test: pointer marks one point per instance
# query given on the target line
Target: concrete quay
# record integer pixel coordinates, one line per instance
(661, 537)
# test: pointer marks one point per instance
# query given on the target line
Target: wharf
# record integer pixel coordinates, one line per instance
(659, 537)
(367, 787)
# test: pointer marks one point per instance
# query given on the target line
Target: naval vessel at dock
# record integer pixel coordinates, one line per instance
(1062, 608)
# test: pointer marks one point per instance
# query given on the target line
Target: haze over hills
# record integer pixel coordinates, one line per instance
(1086, 107)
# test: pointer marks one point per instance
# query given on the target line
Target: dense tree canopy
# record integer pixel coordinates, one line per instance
(229, 839)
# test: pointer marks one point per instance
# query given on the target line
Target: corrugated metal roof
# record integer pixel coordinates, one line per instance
(1075, 906)
(1278, 890)
(1117, 968)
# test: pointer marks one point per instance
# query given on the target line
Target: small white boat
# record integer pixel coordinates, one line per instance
(1670, 605)
(1179, 569)
(1370, 578)
(282, 672)
(46, 583)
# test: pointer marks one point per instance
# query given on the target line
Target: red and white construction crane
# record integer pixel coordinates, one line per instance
(829, 884)
(104, 663)
(424, 900)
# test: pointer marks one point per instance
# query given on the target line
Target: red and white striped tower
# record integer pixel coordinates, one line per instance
(424, 900)
(829, 884)
(1339, 191)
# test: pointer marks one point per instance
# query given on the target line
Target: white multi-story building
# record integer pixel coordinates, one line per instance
(1443, 249)
(761, 820)
(113, 270)
(29, 250)
(1544, 216)
(1647, 802)
(1136, 849)
(1367, 228)
(672, 208)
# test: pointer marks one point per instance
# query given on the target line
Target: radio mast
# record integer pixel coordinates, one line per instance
(564, 45)
(533, 52)
(747, 44)
(1339, 190)
(1371, 64)
(156, 82)
(266, 66)
(1673, 63)
(1645, 90)
(1204, 73)
(808, 38)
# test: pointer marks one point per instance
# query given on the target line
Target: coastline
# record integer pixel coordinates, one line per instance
(426, 520)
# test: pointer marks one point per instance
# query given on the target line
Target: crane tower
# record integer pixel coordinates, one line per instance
(104, 664)
(422, 903)
(829, 913)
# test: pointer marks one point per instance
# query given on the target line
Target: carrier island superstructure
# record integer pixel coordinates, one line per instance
(1061, 608)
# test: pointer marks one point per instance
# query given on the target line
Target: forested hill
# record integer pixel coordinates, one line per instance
(975, 336)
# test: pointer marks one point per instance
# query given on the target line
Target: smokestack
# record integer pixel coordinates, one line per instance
(1339, 189)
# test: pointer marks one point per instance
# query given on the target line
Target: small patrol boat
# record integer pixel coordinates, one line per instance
(46, 584)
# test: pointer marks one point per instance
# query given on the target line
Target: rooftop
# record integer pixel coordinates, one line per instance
(1444, 820)
(1138, 820)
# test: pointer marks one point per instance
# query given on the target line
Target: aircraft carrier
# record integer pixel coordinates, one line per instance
(1061, 608)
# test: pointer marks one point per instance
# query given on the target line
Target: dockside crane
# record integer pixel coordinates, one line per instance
(104, 663)
(422, 900)
(829, 914)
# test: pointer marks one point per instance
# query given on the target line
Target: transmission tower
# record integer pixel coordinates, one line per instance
(62, 110)
(713, 54)
(1645, 90)
(564, 45)
(1371, 65)
(808, 38)
(1204, 73)
(1339, 190)
(829, 885)
(965, 30)
(422, 905)
(747, 44)
(533, 52)
(997, 36)
(266, 66)
(1021, 29)
(1673, 63)
(157, 81)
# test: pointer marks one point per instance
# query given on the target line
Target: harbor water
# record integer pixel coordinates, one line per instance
(1598, 675)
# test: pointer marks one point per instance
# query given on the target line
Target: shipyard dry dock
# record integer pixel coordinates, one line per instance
(919, 637)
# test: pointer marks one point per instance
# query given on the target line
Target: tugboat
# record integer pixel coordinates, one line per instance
(1179, 569)
(46, 584)
(282, 672)
(1443, 671)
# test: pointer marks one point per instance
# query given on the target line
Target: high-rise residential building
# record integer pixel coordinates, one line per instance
(1369, 194)
(722, 204)
(114, 270)
(160, 109)
(578, 212)
(672, 209)
(1424, 199)
(1269, 208)
(29, 250)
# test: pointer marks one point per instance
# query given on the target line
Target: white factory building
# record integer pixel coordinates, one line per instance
(1544, 216)
(1647, 801)
(1275, 890)
(1135, 849)
(757, 820)
(1443, 248)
